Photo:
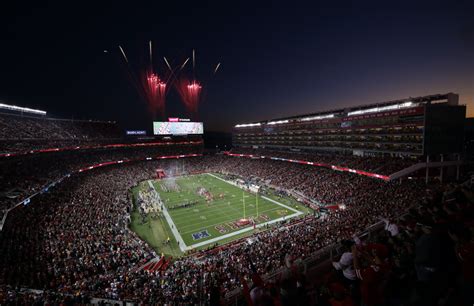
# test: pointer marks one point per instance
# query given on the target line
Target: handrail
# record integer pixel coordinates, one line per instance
(424, 165)
(311, 163)
(101, 146)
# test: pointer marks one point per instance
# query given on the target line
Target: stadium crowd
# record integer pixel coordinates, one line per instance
(74, 239)
(425, 257)
(324, 185)
(25, 175)
(380, 165)
(24, 133)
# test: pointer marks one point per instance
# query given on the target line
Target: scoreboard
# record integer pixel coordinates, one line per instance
(178, 128)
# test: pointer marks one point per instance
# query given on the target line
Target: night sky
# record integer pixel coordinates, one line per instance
(278, 58)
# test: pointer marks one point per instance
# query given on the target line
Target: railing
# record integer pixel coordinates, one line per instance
(299, 194)
(311, 163)
(420, 166)
(101, 146)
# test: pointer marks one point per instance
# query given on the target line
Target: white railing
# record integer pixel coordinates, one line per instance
(424, 165)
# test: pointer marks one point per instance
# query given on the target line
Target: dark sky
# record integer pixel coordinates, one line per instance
(278, 58)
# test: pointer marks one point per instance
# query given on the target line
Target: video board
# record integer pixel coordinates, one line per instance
(177, 128)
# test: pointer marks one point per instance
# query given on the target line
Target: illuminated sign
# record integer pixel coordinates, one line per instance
(178, 120)
(177, 128)
(140, 132)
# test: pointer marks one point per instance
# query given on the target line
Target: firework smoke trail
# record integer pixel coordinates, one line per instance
(133, 78)
(172, 71)
(217, 68)
(184, 64)
(151, 53)
(123, 53)
(168, 64)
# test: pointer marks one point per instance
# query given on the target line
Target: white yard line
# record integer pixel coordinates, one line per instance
(283, 205)
(264, 197)
(175, 232)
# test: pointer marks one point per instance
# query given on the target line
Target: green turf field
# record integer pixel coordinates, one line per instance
(212, 216)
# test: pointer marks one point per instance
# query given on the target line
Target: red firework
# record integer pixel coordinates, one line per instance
(190, 92)
(150, 86)
(153, 87)
(155, 91)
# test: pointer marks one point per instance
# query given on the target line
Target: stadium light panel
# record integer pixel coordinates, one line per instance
(247, 125)
(278, 122)
(317, 117)
(381, 109)
(22, 109)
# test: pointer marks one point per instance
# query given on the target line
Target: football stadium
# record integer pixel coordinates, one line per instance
(157, 174)
(97, 218)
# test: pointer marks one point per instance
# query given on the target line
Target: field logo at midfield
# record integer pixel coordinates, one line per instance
(201, 235)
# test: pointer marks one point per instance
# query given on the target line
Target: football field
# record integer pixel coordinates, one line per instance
(201, 210)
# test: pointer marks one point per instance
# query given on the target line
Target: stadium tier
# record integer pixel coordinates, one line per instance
(23, 132)
(74, 241)
(98, 202)
(377, 167)
(89, 216)
(22, 176)
(409, 127)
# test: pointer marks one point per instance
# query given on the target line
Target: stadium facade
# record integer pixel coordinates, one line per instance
(421, 126)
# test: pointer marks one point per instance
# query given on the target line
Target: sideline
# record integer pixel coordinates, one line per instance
(168, 218)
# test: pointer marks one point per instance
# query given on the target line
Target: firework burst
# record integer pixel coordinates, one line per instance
(150, 85)
(155, 90)
(153, 86)
(190, 93)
